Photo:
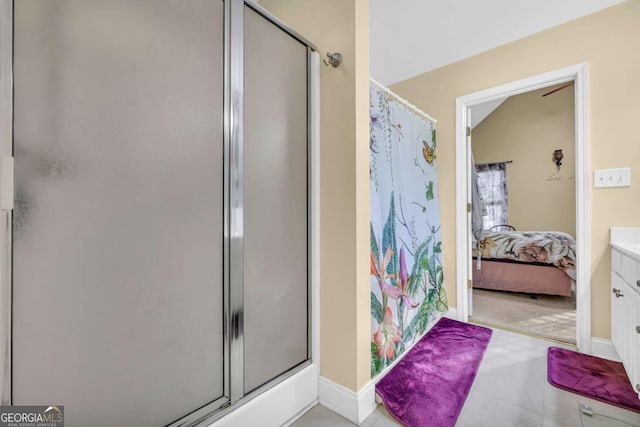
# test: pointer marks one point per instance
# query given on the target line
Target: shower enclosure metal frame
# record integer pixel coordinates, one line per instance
(6, 150)
(234, 393)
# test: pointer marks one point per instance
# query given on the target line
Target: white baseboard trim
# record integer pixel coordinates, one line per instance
(354, 406)
(338, 398)
(278, 406)
(366, 401)
(604, 348)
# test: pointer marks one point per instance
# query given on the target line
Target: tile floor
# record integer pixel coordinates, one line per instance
(511, 389)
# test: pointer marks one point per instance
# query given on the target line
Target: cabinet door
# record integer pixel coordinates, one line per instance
(616, 261)
(635, 379)
(617, 322)
(622, 322)
(628, 327)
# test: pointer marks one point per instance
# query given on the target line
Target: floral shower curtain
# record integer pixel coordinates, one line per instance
(406, 248)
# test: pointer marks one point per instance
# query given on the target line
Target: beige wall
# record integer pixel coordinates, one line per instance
(608, 41)
(526, 129)
(341, 26)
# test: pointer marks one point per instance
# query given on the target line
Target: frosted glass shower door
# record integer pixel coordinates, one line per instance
(275, 202)
(118, 222)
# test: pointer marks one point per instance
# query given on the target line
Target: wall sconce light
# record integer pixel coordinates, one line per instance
(557, 158)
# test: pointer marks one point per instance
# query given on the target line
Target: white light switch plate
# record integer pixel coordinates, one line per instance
(612, 178)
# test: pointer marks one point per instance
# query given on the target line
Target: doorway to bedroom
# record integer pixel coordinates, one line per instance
(525, 222)
(523, 213)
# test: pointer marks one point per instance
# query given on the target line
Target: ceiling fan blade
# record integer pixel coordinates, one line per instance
(571, 83)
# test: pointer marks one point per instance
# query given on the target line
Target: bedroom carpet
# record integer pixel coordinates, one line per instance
(593, 377)
(429, 386)
(548, 316)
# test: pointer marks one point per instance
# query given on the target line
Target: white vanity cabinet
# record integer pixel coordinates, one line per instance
(622, 321)
(625, 299)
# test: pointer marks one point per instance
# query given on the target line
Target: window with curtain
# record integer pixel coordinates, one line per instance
(492, 183)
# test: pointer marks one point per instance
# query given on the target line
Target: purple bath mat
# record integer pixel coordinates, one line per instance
(430, 384)
(592, 377)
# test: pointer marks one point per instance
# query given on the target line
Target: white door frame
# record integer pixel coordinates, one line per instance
(577, 73)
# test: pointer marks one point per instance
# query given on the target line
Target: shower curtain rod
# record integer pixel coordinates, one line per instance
(403, 101)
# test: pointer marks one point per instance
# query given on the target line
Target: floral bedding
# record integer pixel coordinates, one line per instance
(547, 247)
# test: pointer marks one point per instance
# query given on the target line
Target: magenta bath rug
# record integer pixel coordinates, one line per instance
(592, 377)
(430, 384)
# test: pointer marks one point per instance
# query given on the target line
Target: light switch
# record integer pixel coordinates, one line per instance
(612, 178)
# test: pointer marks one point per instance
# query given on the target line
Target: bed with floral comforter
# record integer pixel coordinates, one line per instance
(509, 258)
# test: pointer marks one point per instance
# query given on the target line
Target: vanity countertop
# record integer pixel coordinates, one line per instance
(626, 240)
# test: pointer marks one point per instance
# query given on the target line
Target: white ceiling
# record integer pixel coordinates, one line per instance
(410, 37)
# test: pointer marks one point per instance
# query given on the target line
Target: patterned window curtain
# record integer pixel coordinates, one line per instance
(492, 182)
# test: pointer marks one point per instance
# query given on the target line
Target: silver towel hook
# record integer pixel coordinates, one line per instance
(335, 59)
